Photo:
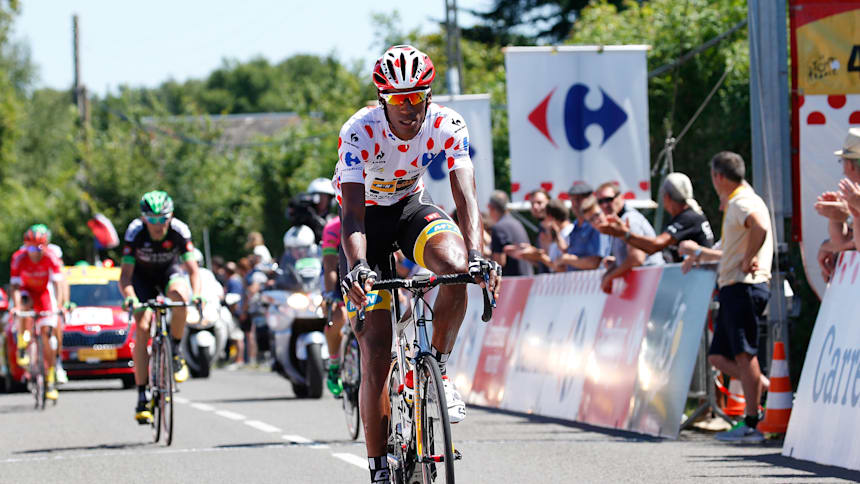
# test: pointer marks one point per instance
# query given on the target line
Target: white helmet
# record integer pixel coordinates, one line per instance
(321, 185)
(299, 236)
(403, 67)
(198, 256)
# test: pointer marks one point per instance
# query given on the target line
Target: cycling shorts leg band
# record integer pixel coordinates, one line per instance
(376, 300)
(431, 230)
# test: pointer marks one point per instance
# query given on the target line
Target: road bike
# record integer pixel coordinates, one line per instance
(37, 372)
(420, 446)
(350, 369)
(161, 382)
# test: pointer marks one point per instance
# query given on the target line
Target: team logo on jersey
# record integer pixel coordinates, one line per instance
(433, 216)
(167, 244)
(351, 159)
(353, 137)
(383, 186)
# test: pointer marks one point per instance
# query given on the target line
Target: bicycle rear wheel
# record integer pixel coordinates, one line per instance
(167, 390)
(350, 375)
(155, 386)
(432, 427)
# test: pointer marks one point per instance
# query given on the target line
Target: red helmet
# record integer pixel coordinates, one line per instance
(403, 67)
(37, 235)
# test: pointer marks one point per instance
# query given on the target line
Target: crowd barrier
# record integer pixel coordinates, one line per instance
(824, 422)
(558, 346)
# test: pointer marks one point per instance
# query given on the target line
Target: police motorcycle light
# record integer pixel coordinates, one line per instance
(298, 301)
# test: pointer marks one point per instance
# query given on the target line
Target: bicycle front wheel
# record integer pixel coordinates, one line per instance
(166, 402)
(432, 427)
(155, 387)
(38, 373)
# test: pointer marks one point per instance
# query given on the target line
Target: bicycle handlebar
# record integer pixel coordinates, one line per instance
(38, 314)
(156, 304)
(430, 281)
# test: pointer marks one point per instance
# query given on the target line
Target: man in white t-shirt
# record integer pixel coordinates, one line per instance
(745, 256)
(556, 224)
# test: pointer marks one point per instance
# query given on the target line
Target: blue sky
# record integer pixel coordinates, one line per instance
(146, 43)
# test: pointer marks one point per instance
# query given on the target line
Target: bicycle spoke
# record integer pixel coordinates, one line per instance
(437, 449)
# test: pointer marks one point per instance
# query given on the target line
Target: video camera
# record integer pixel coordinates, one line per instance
(302, 210)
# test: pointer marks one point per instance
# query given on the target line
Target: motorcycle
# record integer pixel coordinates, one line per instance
(206, 336)
(296, 322)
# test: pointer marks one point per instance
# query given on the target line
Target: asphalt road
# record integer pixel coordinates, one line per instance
(246, 426)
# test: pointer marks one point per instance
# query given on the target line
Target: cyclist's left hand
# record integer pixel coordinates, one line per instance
(198, 301)
(478, 267)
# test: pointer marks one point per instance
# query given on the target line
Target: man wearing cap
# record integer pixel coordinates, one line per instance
(836, 206)
(586, 247)
(688, 222)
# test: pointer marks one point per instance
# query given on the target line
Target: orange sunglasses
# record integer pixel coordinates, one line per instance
(398, 98)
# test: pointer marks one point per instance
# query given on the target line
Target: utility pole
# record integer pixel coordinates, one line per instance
(80, 91)
(455, 57)
(771, 154)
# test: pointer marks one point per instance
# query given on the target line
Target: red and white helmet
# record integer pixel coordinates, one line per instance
(403, 67)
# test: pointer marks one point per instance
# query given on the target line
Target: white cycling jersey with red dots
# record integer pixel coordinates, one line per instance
(391, 168)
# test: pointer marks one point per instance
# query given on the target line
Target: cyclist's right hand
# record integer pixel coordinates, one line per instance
(358, 282)
(487, 273)
(130, 303)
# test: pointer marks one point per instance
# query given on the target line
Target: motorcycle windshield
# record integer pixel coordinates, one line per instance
(309, 272)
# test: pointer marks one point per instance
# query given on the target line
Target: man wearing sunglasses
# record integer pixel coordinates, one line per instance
(383, 152)
(157, 253)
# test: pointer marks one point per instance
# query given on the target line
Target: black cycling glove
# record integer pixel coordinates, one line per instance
(478, 266)
(360, 273)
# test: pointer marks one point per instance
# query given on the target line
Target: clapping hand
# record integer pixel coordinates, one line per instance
(832, 206)
(849, 192)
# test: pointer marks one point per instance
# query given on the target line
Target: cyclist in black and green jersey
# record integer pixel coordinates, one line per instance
(158, 251)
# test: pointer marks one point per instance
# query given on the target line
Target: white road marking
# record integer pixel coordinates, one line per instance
(180, 399)
(203, 406)
(262, 426)
(352, 459)
(230, 415)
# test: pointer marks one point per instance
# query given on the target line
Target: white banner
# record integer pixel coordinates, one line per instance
(475, 109)
(823, 125)
(824, 424)
(578, 114)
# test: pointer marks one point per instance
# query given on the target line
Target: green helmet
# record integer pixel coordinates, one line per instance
(156, 202)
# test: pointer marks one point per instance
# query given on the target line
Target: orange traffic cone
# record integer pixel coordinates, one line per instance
(779, 397)
(735, 405)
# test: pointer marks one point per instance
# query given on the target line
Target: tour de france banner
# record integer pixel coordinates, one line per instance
(475, 109)
(824, 426)
(825, 63)
(558, 346)
(578, 114)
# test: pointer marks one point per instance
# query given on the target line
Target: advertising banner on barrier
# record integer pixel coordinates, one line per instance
(558, 346)
(825, 66)
(824, 424)
(475, 109)
(578, 114)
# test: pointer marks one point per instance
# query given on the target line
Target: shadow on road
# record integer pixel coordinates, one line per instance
(24, 408)
(250, 399)
(52, 450)
(778, 460)
(539, 419)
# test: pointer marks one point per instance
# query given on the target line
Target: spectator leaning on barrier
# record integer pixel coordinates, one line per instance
(538, 200)
(688, 222)
(506, 231)
(744, 274)
(837, 206)
(625, 257)
(585, 246)
(557, 224)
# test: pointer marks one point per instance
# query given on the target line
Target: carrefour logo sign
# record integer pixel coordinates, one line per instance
(578, 117)
(837, 373)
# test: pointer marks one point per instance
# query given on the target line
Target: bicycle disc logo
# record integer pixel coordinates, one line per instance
(578, 117)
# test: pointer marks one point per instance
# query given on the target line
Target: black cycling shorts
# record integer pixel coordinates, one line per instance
(407, 226)
(148, 285)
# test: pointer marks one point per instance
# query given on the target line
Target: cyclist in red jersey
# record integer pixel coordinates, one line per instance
(35, 274)
(383, 152)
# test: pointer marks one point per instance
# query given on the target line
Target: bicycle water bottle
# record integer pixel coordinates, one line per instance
(409, 390)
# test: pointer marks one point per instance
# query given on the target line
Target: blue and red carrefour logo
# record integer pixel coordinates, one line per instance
(436, 170)
(577, 117)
